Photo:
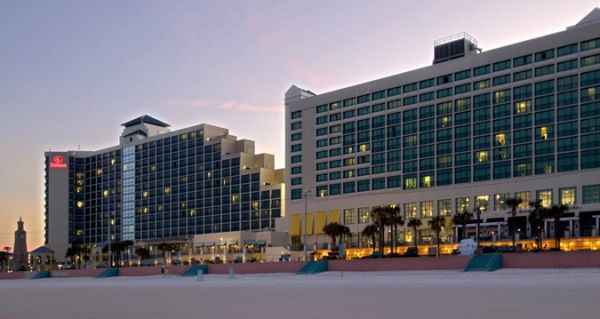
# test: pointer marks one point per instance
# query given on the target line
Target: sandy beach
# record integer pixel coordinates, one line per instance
(508, 293)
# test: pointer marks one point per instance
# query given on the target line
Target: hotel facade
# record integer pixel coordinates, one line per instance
(465, 133)
(160, 186)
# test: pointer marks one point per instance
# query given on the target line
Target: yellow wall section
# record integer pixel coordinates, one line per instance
(334, 216)
(321, 221)
(295, 225)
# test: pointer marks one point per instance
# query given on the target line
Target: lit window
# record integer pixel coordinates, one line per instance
(145, 210)
(410, 210)
(363, 147)
(482, 156)
(426, 209)
(482, 201)
(235, 198)
(167, 190)
(444, 207)
(363, 215)
(99, 171)
(323, 193)
(225, 181)
(105, 193)
(160, 208)
(183, 205)
(567, 196)
(209, 174)
(546, 197)
(145, 194)
(153, 168)
(445, 121)
(462, 204)
(113, 162)
(192, 212)
(410, 182)
(79, 204)
(500, 139)
(525, 199)
(349, 150)
(427, 181)
(544, 132)
(591, 93)
(500, 202)
(523, 106)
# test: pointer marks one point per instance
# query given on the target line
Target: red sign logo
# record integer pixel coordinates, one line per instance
(58, 162)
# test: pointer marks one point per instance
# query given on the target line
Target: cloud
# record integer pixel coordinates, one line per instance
(222, 105)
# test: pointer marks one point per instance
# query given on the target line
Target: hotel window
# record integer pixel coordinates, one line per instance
(410, 210)
(525, 199)
(462, 204)
(566, 50)
(544, 55)
(590, 60)
(427, 209)
(543, 133)
(500, 139)
(591, 194)
(501, 96)
(79, 204)
(410, 183)
(334, 105)
(567, 196)
(296, 125)
(322, 191)
(426, 181)
(479, 85)
(445, 207)
(482, 201)
(462, 104)
(500, 202)
(545, 196)
(296, 115)
(296, 136)
(482, 157)
(462, 75)
(349, 216)
(590, 44)
(363, 215)
(589, 94)
(523, 107)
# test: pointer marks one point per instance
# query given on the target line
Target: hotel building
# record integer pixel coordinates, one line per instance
(160, 186)
(467, 132)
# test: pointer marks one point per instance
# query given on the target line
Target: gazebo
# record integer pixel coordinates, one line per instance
(42, 258)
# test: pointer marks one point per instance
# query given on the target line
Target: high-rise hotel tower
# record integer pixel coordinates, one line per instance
(159, 185)
(465, 133)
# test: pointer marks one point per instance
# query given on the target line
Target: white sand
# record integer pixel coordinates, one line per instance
(504, 294)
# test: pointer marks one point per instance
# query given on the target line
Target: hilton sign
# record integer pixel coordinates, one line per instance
(58, 162)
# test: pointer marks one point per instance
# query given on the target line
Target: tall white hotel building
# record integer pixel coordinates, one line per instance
(467, 132)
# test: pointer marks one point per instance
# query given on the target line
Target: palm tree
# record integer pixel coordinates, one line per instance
(166, 247)
(4, 258)
(557, 212)
(381, 217)
(414, 223)
(334, 230)
(437, 224)
(370, 231)
(463, 218)
(394, 221)
(536, 216)
(513, 203)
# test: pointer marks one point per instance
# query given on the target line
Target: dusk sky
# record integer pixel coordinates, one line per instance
(72, 71)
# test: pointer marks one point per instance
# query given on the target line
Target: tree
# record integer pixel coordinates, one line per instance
(462, 218)
(4, 258)
(437, 224)
(381, 217)
(335, 230)
(414, 223)
(513, 203)
(6, 255)
(556, 212)
(395, 220)
(536, 216)
(370, 231)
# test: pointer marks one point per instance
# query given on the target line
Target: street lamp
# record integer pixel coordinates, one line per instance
(305, 220)
(109, 240)
(478, 214)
